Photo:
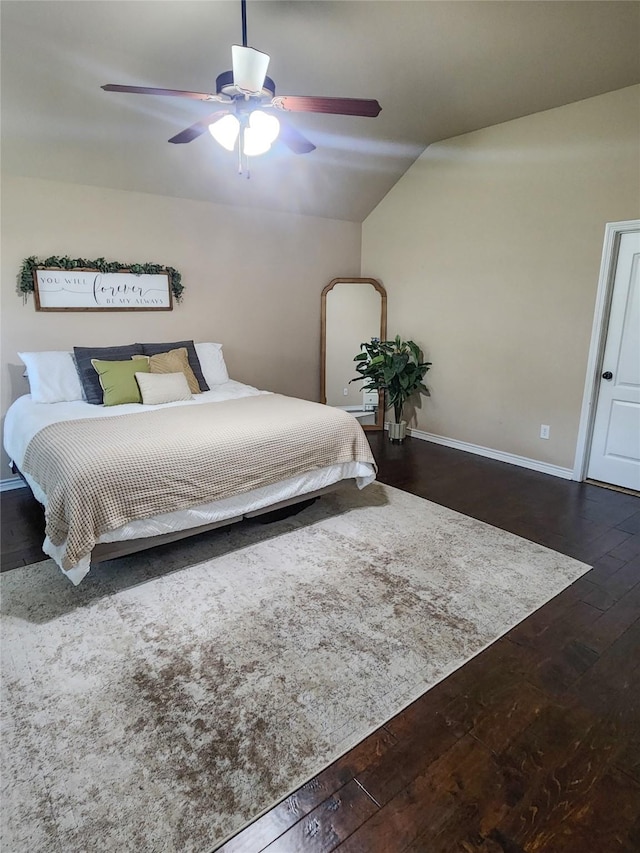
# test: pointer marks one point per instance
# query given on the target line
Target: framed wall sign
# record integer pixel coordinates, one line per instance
(86, 289)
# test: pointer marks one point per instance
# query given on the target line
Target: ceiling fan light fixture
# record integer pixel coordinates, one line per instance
(225, 131)
(266, 125)
(253, 144)
(237, 91)
(261, 132)
(249, 68)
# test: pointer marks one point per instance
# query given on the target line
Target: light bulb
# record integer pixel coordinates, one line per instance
(225, 131)
(267, 125)
(262, 131)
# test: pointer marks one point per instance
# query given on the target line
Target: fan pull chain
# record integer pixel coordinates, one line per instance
(240, 151)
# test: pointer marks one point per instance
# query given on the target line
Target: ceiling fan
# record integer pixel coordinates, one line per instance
(245, 98)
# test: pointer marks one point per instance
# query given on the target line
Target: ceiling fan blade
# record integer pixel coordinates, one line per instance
(294, 140)
(174, 93)
(336, 106)
(249, 68)
(193, 132)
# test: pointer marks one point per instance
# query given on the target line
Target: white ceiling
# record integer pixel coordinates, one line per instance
(439, 69)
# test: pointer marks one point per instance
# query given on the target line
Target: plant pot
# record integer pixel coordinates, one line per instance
(397, 432)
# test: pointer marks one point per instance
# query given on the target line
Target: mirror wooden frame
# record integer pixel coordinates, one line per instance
(379, 424)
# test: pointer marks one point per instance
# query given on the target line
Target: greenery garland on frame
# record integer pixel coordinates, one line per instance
(25, 276)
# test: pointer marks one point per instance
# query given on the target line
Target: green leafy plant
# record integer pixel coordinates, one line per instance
(395, 367)
(25, 276)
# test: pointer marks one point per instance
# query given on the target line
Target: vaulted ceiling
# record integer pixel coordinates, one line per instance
(438, 69)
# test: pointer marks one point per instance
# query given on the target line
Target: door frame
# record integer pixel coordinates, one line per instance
(612, 234)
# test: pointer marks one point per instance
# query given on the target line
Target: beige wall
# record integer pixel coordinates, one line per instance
(489, 247)
(252, 279)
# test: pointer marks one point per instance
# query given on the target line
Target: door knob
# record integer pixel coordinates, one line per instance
(607, 375)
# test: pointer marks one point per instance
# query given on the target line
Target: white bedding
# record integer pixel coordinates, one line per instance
(25, 418)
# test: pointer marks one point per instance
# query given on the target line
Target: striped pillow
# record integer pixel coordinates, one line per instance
(194, 363)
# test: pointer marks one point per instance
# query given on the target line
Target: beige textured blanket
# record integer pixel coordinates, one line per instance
(101, 473)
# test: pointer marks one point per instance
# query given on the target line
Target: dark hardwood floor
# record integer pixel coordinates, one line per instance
(534, 745)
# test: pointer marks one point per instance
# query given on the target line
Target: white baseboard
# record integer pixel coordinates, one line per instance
(12, 483)
(498, 455)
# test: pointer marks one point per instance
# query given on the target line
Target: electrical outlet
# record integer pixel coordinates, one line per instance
(345, 391)
(544, 430)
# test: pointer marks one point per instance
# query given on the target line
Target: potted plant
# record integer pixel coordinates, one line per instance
(395, 367)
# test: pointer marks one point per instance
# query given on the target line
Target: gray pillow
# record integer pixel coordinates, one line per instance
(194, 361)
(89, 378)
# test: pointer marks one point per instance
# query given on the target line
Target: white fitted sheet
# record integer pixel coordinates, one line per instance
(25, 418)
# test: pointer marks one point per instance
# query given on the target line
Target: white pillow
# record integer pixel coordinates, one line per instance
(212, 363)
(53, 377)
(163, 388)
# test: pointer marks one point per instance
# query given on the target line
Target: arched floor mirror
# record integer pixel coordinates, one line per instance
(354, 310)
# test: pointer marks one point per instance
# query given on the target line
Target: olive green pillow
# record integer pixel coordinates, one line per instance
(118, 380)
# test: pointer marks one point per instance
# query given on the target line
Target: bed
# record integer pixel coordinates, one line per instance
(116, 479)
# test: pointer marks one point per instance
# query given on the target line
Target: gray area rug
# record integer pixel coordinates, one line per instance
(176, 694)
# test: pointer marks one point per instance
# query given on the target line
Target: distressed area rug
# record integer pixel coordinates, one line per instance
(176, 694)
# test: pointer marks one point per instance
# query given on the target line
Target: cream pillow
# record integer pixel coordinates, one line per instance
(157, 388)
(173, 361)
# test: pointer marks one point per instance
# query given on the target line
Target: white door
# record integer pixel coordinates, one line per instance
(615, 444)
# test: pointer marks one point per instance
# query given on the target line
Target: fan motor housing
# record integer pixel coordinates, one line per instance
(226, 86)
